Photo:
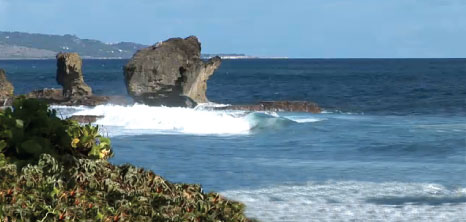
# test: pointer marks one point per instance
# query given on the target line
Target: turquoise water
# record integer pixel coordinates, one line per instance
(391, 144)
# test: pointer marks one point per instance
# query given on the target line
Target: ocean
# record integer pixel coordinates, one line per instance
(389, 146)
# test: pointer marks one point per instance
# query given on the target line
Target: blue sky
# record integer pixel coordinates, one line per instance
(292, 28)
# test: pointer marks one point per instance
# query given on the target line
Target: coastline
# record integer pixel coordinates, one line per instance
(123, 58)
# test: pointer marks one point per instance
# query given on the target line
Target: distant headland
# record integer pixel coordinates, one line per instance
(22, 45)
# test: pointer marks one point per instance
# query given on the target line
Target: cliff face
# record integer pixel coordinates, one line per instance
(170, 73)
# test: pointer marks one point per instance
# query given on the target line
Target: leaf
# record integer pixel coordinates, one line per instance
(3, 145)
(105, 140)
(2, 160)
(31, 147)
(54, 192)
(95, 151)
(99, 216)
(19, 123)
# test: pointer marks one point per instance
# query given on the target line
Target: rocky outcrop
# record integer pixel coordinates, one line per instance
(170, 73)
(277, 106)
(75, 91)
(85, 118)
(55, 96)
(6, 88)
(70, 76)
(51, 95)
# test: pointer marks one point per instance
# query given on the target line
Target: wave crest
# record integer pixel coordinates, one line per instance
(143, 119)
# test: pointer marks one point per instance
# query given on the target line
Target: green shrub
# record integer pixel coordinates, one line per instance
(29, 129)
(95, 190)
(56, 170)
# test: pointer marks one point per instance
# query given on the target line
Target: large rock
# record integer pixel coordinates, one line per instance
(170, 73)
(70, 76)
(6, 88)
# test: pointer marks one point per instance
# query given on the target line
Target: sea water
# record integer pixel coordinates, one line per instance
(389, 146)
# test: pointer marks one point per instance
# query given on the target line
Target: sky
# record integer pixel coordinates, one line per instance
(276, 28)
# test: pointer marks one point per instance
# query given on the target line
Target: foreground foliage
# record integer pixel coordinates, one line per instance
(57, 170)
(95, 190)
(29, 129)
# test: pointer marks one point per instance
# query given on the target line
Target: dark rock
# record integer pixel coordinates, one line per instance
(56, 97)
(153, 99)
(277, 106)
(85, 118)
(49, 95)
(70, 76)
(87, 101)
(163, 73)
(6, 88)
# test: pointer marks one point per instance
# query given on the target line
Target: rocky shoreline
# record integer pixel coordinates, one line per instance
(170, 73)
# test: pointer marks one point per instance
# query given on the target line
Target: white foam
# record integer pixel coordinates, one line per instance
(166, 120)
(67, 111)
(209, 105)
(354, 201)
(304, 119)
(340, 112)
(142, 119)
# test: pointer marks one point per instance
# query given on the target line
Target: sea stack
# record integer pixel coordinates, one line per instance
(70, 76)
(6, 88)
(170, 73)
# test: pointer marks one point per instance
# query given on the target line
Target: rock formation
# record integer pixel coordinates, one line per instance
(170, 73)
(75, 91)
(277, 106)
(55, 96)
(50, 95)
(85, 118)
(6, 88)
(70, 76)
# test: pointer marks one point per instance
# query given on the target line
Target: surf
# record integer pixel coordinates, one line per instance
(202, 120)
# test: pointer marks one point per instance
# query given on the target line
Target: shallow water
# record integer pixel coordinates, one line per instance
(391, 144)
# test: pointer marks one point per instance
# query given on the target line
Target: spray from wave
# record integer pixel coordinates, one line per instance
(203, 120)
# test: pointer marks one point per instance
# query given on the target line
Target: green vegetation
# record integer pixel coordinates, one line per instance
(57, 170)
(30, 129)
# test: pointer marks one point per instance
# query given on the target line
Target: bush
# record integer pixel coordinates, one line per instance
(57, 170)
(95, 190)
(30, 129)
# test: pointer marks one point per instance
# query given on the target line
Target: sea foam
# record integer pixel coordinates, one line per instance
(143, 119)
(354, 201)
(165, 119)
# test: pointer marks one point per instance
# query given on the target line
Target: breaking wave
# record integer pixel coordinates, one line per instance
(143, 119)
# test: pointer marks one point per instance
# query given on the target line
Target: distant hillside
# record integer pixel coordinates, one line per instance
(25, 45)
(21, 45)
